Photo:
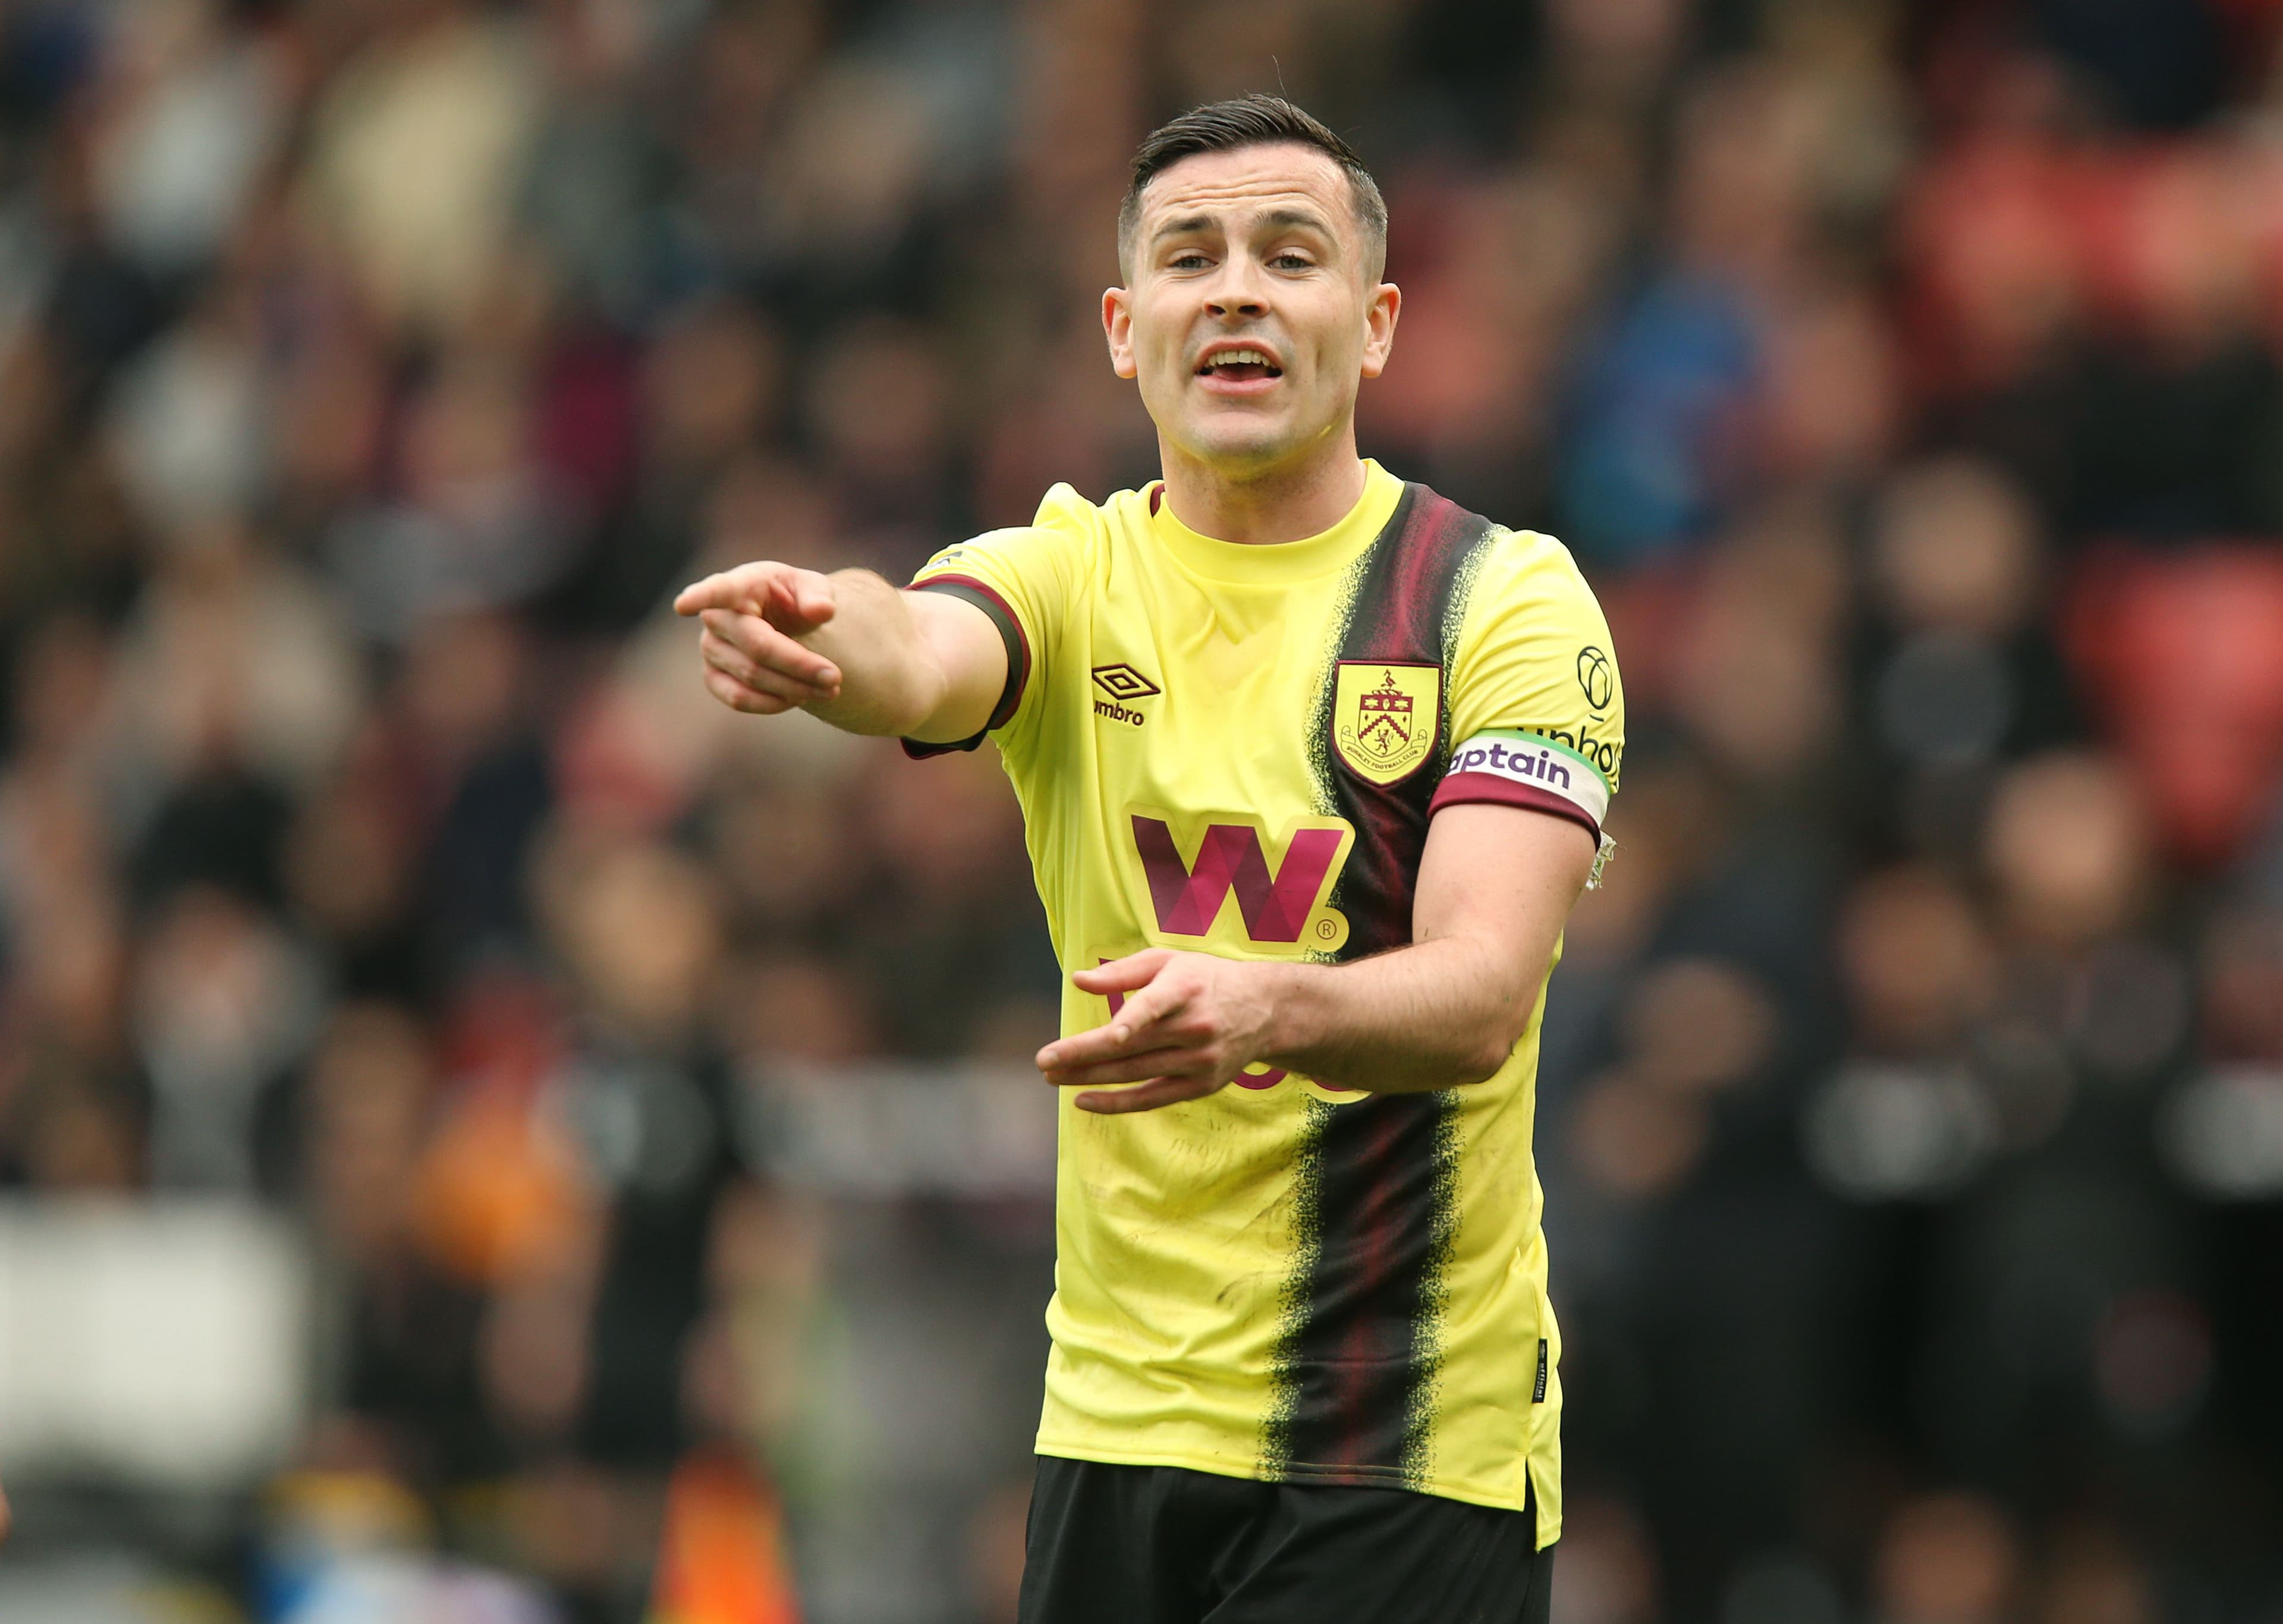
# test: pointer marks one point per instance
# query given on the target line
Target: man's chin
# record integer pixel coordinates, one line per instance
(1240, 448)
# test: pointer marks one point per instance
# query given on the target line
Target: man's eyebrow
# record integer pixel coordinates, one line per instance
(1182, 227)
(1275, 220)
(1307, 219)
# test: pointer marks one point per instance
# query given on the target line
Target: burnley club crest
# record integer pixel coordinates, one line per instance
(1384, 716)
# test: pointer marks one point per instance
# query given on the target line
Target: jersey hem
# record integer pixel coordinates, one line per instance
(1300, 1473)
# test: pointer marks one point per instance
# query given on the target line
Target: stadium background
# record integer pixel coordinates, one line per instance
(453, 1082)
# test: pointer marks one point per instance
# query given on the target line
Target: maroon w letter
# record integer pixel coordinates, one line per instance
(1276, 907)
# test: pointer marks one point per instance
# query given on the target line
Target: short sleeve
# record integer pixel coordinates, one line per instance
(1538, 715)
(1024, 579)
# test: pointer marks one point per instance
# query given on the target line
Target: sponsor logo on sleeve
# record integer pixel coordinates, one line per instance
(1597, 677)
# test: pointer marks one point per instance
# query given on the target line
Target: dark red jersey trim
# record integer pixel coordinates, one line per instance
(1377, 1181)
(1460, 789)
(981, 594)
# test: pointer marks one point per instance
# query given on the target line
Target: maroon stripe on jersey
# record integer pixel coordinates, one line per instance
(1378, 1179)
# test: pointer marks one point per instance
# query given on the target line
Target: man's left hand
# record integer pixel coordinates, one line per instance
(1188, 1023)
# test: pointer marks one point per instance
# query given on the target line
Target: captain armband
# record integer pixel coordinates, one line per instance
(1513, 767)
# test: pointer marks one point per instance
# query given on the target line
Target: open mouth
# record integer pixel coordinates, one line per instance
(1238, 366)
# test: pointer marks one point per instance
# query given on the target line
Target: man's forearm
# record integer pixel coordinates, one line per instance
(1434, 1014)
(1495, 886)
(889, 682)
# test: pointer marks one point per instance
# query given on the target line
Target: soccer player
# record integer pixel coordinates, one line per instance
(1313, 764)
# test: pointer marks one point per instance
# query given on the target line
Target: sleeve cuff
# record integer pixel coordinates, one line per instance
(968, 589)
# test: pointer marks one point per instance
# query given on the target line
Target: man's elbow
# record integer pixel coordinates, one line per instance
(1494, 1044)
(1483, 1061)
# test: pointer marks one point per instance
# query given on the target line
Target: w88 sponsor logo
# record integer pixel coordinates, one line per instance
(1283, 901)
(1280, 895)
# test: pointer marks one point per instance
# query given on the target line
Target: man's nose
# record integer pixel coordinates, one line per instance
(1237, 290)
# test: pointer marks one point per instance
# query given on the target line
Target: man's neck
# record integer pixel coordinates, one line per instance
(1284, 505)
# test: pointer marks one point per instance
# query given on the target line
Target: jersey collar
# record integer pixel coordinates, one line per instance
(1270, 563)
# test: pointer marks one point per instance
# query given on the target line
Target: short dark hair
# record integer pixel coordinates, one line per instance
(1250, 121)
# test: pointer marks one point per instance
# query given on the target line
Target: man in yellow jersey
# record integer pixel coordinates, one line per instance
(1312, 765)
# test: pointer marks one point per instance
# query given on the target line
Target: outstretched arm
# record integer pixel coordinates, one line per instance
(1495, 884)
(848, 647)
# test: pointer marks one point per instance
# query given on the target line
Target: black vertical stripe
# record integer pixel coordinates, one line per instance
(1377, 1179)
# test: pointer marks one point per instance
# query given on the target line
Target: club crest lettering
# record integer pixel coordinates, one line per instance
(1384, 717)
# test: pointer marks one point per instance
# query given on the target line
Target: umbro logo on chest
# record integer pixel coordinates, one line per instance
(1127, 688)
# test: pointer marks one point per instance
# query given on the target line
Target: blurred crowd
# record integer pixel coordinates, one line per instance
(1908, 378)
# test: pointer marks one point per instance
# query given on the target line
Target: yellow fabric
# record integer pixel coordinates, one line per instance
(1179, 1229)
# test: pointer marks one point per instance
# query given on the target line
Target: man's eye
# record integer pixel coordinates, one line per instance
(1192, 261)
(1289, 260)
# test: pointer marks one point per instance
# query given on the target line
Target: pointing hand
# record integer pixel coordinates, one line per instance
(753, 616)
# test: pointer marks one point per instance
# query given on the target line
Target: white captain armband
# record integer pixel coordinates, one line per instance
(1511, 767)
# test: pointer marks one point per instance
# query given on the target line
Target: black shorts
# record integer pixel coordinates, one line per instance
(1161, 1545)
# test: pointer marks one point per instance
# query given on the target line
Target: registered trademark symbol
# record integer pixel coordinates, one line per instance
(1327, 929)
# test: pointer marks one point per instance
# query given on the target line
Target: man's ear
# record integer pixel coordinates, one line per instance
(1379, 327)
(1118, 327)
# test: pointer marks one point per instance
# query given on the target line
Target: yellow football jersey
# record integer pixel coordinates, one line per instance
(1237, 749)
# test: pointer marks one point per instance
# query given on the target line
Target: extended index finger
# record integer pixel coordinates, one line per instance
(1131, 1031)
(725, 590)
(1152, 1095)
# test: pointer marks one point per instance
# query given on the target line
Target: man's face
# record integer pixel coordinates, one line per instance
(1251, 316)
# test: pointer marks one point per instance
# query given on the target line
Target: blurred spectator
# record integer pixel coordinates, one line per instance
(223, 1003)
(1959, 664)
(2093, 1576)
(1947, 1559)
(416, 145)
